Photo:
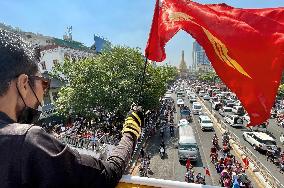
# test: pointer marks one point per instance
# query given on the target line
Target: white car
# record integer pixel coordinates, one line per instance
(201, 93)
(260, 140)
(206, 97)
(183, 122)
(192, 98)
(234, 120)
(224, 111)
(180, 102)
(247, 118)
(205, 123)
(238, 110)
(196, 108)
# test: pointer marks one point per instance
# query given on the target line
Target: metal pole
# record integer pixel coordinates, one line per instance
(142, 82)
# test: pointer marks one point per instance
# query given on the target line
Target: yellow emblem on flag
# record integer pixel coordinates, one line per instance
(222, 52)
(219, 47)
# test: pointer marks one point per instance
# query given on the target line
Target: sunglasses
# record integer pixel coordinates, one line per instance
(45, 82)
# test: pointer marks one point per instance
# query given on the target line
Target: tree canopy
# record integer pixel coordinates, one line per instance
(110, 81)
(207, 76)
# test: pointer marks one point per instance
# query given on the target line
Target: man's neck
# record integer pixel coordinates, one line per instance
(7, 107)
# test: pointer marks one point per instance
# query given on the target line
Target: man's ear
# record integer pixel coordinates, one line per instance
(23, 84)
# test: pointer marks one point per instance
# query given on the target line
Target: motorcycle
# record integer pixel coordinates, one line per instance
(162, 152)
(189, 177)
(142, 172)
(244, 181)
(144, 167)
(226, 149)
(281, 166)
(214, 158)
(162, 133)
(281, 124)
(215, 144)
(200, 180)
(275, 160)
(172, 131)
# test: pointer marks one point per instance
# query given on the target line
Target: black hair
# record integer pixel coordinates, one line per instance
(16, 57)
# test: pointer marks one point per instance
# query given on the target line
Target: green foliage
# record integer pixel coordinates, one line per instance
(281, 91)
(207, 76)
(110, 81)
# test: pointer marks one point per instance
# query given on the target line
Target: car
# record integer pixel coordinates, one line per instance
(201, 93)
(206, 97)
(216, 105)
(260, 141)
(180, 94)
(238, 103)
(213, 99)
(183, 122)
(192, 98)
(205, 123)
(260, 128)
(246, 117)
(229, 103)
(180, 102)
(238, 110)
(185, 113)
(196, 108)
(225, 111)
(234, 120)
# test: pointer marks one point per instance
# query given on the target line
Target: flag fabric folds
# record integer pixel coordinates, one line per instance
(245, 46)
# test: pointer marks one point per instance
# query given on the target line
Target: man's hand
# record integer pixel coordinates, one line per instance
(134, 122)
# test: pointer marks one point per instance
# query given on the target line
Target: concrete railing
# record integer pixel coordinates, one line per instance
(144, 182)
(84, 142)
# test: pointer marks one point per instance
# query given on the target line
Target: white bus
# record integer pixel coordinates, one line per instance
(187, 145)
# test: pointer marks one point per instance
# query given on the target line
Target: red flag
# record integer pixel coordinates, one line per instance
(246, 162)
(207, 172)
(245, 46)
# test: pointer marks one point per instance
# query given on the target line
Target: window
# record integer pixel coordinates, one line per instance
(55, 95)
(43, 65)
(55, 62)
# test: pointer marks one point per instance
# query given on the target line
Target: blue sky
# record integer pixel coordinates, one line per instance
(124, 22)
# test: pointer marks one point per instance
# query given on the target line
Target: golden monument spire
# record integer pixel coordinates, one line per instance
(182, 66)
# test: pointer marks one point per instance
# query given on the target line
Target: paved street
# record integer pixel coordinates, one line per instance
(170, 167)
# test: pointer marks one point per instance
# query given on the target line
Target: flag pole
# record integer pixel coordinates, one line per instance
(142, 81)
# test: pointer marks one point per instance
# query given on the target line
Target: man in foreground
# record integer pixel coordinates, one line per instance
(29, 156)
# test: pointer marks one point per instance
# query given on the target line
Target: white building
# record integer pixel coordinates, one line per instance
(56, 53)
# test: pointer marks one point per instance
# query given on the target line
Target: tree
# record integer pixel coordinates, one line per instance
(281, 91)
(207, 76)
(110, 81)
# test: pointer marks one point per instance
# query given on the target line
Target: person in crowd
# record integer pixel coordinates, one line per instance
(188, 165)
(142, 153)
(32, 158)
(282, 138)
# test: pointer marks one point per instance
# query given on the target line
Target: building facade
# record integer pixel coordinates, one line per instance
(200, 59)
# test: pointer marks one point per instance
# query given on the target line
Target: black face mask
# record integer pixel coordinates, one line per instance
(28, 115)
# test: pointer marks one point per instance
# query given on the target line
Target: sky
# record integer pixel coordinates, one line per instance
(122, 22)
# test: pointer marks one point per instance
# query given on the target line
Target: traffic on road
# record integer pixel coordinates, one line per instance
(190, 145)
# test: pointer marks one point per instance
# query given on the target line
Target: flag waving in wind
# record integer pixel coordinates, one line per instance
(245, 46)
